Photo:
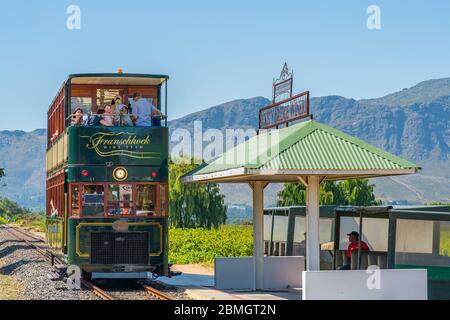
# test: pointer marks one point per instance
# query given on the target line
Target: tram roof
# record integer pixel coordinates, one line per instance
(117, 78)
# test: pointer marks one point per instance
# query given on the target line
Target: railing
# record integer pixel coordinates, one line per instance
(118, 119)
(284, 111)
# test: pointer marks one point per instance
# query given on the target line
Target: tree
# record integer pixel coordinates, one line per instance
(359, 192)
(10, 208)
(194, 205)
(356, 192)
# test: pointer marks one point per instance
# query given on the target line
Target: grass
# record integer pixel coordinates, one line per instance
(32, 222)
(8, 288)
(188, 246)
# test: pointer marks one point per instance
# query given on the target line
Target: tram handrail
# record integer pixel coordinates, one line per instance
(161, 116)
(117, 118)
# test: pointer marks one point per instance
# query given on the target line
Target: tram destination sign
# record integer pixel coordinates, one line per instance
(284, 111)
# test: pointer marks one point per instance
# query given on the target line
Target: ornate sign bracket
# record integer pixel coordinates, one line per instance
(282, 87)
(285, 107)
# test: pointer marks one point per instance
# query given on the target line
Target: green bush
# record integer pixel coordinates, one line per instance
(445, 240)
(34, 220)
(3, 220)
(202, 246)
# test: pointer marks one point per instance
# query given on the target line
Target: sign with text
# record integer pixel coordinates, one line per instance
(282, 112)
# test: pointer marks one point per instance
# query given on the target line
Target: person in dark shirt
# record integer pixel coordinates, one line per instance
(353, 238)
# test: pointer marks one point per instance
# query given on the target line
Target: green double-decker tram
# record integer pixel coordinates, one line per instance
(107, 179)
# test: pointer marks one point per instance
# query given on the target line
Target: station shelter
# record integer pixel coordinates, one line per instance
(398, 237)
(309, 152)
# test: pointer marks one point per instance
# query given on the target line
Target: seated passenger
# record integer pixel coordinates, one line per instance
(94, 117)
(77, 117)
(143, 111)
(116, 104)
(353, 238)
(124, 117)
(107, 118)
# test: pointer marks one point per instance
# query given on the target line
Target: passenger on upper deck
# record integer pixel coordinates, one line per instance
(107, 119)
(93, 119)
(77, 117)
(116, 104)
(124, 117)
(143, 111)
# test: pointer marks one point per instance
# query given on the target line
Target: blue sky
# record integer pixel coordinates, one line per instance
(216, 51)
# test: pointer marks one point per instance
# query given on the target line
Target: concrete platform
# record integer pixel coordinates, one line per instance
(199, 285)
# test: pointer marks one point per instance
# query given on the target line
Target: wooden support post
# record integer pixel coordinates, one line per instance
(258, 233)
(312, 222)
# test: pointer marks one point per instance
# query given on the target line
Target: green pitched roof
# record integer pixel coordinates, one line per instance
(309, 145)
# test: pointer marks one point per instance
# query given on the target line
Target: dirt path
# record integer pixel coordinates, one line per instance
(196, 268)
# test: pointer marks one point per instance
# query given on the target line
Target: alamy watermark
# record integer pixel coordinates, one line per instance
(73, 21)
(232, 144)
(374, 18)
(73, 277)
(373, 282)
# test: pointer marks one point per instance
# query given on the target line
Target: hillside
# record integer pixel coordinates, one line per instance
(22, 154)
(413, 123)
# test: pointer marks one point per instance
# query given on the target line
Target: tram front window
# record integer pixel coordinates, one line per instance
(145, 199)
(120, 199)
(92, 200)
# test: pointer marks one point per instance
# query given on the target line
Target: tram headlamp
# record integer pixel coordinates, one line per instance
(120, 173)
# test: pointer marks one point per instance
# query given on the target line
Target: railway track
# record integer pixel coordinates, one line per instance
(156, 293)
(97, 291)
(55, 260)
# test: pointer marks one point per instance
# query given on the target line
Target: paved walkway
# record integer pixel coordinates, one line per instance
(199, 284)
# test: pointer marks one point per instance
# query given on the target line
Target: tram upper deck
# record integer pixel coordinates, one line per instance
(92, 93)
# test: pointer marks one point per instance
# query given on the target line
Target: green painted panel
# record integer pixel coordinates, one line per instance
(434, 272)
(131, 146)
(105, 174)
(79, 255)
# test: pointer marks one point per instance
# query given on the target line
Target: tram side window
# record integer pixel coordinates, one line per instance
(75, 191)
(145, 199)
(120, 199)
(93, 200)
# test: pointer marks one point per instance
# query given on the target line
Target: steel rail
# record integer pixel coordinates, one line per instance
(96, 290)
(28, 234)
(156, 293)
(52, 258)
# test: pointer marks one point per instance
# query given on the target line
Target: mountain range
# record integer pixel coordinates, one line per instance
(413, 123)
